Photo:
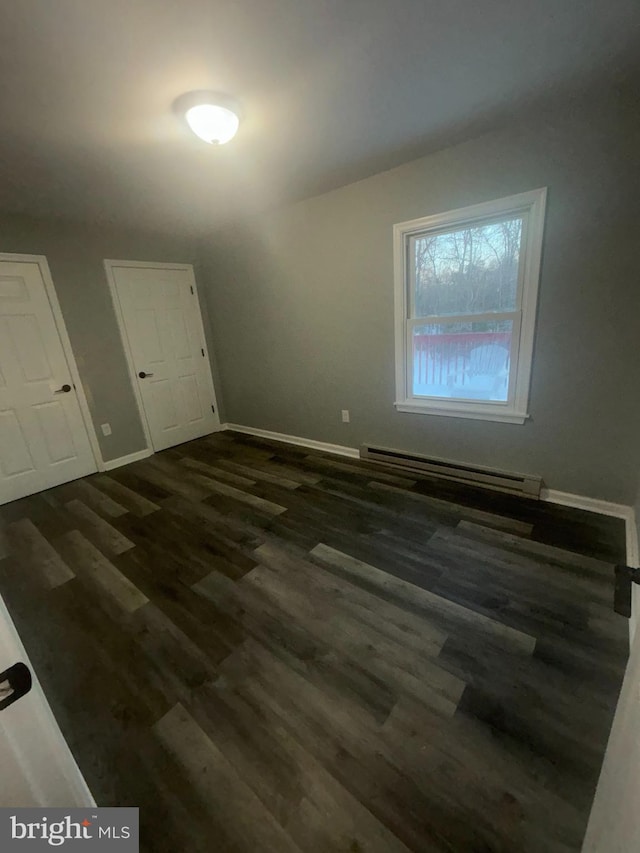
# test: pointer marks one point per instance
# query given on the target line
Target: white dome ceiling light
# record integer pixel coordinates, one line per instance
(213, 117)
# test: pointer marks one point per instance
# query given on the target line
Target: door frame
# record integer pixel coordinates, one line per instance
(58, 320)
(110, 265)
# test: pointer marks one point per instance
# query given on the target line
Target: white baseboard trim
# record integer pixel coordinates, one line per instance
(126, 460)
(627, 513)
(337, 449)
(589, 504)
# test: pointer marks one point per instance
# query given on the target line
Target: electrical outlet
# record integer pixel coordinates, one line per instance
(106, 429)
(346, 417)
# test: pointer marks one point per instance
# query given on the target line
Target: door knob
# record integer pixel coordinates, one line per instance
(143, 375)
(64, 390)
(15, 682)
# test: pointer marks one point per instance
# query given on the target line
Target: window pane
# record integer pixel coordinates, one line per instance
(469, 361)
(472, 270)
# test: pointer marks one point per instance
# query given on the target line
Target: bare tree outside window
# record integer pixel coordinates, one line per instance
(468, 271)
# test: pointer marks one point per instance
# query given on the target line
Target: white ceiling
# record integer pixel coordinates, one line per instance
(332, 90)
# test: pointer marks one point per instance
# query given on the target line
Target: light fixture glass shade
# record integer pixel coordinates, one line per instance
(212, 123)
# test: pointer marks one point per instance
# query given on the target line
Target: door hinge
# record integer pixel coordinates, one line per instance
(191, 289)
(213, 408)
(202, 351)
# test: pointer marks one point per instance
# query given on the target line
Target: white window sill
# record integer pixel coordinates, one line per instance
(476, 413)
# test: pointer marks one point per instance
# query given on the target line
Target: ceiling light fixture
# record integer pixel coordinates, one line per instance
(211, 116)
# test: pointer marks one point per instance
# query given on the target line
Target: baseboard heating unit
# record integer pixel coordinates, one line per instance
(526, 485)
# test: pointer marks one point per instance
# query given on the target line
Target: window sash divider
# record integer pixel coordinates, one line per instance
(445, 319)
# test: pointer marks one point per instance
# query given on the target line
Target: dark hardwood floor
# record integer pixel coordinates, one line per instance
(272, 649)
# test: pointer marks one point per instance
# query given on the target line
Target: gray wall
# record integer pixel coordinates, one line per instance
(301, 303)
(75, 254)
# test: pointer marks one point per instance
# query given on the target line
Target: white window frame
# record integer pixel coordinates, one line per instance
(531, 207)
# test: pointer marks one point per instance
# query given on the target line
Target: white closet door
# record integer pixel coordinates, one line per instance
(163, 327)
(614, 824)
(43, 438)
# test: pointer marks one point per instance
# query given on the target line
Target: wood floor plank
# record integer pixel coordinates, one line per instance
(27, 543)
(163, 475)
(134, 502)
(395, 622)
(269, 507)
(536, 591)
(100, 532)
(548, 569)
(385, 660)
(216, 472)
(553, 554)
(88, 562)
(4, 542)
(421, 598)
(514, 811)
(226, 794)
(225, 443)
(131, 477)
(318, 813)
(176, 820)
(374, 472)
(314, 657)
(102, 503)
(296, 475)
(260, 474)
(206, 515)
(176, 665)
(348, 507)
(522, 528)
(45, 510)
(342, 740)
(205, 624)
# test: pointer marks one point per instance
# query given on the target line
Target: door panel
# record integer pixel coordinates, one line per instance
(26, 337)
(181, 342)
(55, 431)
(145, 325)
(14, 450)
(161, 395)
(163, 329)
(43, 438)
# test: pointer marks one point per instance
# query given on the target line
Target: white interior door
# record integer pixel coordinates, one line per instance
(162, 326)
(614, 824)
(36, 765)
(43, 437)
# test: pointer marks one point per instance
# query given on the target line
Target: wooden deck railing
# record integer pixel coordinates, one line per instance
(438, 357)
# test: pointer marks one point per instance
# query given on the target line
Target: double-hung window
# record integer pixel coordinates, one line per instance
(466, 291)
